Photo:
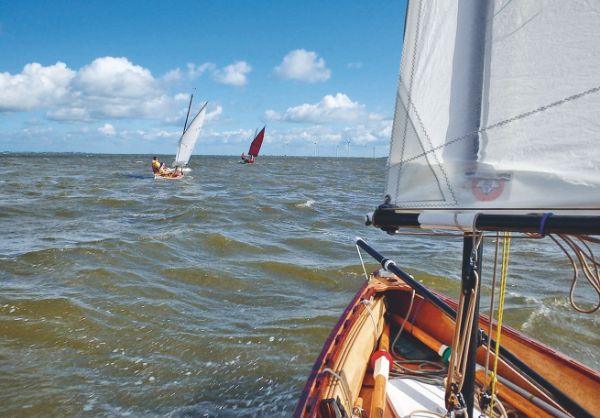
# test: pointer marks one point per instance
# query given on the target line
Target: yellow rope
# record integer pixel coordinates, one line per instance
(503, 275)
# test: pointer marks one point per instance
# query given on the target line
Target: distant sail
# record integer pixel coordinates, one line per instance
(257, 143)
(188, 139)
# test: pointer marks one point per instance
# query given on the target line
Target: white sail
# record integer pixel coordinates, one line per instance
(188, 139)
(498, 106)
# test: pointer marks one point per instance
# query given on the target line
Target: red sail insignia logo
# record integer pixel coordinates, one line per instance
(487, 189)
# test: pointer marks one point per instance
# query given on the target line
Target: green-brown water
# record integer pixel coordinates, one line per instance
(212, 295)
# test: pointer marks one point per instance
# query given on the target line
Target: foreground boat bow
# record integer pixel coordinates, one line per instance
(421, 327)
(494, 131)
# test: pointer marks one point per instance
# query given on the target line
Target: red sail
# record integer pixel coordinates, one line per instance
(256, 143)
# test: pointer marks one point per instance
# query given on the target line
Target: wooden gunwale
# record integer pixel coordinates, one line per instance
(580, 382)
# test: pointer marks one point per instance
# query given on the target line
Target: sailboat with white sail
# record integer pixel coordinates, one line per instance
(495, 134)
(189, 137)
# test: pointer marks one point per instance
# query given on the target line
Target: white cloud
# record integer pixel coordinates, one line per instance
(237, 136)
(215, 113)
(172, 75)
(233, 74)
(154, 134)
(115, 77)
(108, 87)
(191, 73)
(35, 86)
(194, 71)
(69, 113)
(182, 97)
(337, 108)
(303, 65)
(107, 129)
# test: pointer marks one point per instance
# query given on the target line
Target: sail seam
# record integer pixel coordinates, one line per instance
(507, 121)
(424, 154)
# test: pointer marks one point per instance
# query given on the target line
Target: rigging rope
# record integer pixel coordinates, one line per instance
(589, 266)
(501, 299)
(366, 303)
(583, 255)
(362, 263)
(410, 306)
(343, 384)
(491, 314)
(461, 340)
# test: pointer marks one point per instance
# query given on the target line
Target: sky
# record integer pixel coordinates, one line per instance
(115, 76)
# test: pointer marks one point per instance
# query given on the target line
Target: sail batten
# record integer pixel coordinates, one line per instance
(496, 107)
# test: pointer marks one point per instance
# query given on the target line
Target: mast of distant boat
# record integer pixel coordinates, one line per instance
(188, 112)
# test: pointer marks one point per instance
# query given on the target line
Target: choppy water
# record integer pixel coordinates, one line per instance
(209, 296)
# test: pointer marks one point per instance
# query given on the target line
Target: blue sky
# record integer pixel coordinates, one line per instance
(115, 77)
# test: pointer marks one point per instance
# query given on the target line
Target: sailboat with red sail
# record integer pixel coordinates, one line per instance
(254, 147)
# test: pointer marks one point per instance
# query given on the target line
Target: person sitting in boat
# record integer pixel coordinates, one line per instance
(155, 165)
(158, 167)
(248, 159)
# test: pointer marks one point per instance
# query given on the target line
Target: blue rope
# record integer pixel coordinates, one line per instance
(545, 217)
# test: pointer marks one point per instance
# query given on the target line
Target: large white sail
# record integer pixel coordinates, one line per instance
(188, 139)
(498, 106)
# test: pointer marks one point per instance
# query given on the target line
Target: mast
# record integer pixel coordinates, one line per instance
(466, 92)
(188, 113)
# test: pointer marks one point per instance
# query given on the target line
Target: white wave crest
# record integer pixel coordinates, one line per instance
(308, 204)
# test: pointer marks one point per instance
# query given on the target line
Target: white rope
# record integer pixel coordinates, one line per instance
(491, 314)
(412, 298)
(343, 385)
(362, 263)
(588, 263)
(367, 303)
(461, 340)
